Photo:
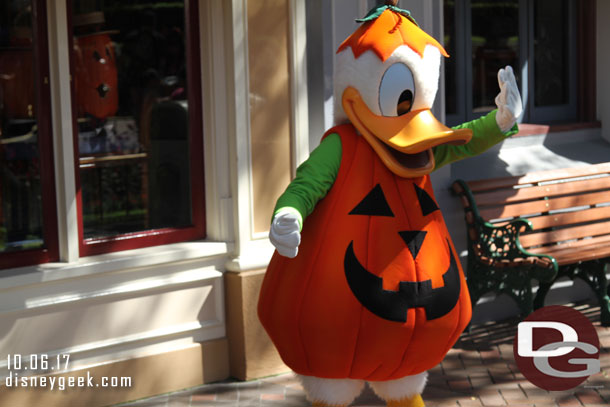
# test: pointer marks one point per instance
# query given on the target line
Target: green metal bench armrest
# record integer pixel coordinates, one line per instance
(499, 246)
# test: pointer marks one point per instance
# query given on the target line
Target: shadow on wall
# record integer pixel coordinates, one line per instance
(520, 155)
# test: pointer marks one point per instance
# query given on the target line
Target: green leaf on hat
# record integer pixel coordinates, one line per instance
(377, 11)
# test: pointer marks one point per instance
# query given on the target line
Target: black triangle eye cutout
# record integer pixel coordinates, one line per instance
(413, 239)
(373, 204)
(426, 202)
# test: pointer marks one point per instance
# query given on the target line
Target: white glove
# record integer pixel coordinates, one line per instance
(285, 234)
(508, 100)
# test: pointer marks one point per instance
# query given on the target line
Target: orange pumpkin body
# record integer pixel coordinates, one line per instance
(96, 76)
(372, 229)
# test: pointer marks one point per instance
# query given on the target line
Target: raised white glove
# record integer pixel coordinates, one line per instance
(285, 234)
(508, 100)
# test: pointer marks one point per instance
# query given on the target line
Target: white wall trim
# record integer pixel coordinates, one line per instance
(63, 142)
(56, 300)
(129, 346)
(255, 254)
(32, 301)
(219, 216)
(298, 81)
(112, 262)
(253, 250)
(236, 46)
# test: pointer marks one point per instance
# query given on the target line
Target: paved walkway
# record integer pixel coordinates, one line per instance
(479, 372)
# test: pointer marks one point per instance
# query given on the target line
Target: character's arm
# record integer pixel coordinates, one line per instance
(313, 180)
(485, 134)
(491, 129)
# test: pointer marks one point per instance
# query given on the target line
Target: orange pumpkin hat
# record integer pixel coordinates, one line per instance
(385, 29)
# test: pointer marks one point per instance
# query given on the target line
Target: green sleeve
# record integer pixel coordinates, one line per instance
(485, 134)
(313, 179)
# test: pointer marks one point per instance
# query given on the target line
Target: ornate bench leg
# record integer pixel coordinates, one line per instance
(527, 305)
(524, 298)
(543, 290)
(602, 293)
(594, 274)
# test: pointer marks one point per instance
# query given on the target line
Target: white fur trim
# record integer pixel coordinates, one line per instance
(331, 391)
(366, 72)
(402, 388)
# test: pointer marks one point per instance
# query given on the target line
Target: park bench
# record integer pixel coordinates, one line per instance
(540, 226)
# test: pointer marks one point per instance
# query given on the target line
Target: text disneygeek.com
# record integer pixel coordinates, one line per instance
(28, 371)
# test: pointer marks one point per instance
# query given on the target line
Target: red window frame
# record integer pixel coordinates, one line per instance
(50, 251)
(156, 237)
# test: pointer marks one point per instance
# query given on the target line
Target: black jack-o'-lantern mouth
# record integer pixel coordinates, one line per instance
(393, 305)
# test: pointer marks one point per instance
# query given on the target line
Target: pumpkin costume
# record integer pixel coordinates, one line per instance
(376, 292)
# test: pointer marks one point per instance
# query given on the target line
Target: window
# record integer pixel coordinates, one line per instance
(536, 37)
(137, 117)
(28, 229)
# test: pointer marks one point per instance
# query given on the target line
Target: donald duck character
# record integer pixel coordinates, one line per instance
(365, 285)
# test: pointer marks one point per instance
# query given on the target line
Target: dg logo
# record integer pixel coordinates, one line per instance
(556, 348)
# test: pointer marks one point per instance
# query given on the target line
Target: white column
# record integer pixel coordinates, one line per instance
(217, 119)
(239, 131)
(298, 80)
(63, 142)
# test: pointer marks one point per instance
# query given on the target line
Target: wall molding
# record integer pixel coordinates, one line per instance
(63, 141)
(298, 81)
(216, 125)
(198, 282)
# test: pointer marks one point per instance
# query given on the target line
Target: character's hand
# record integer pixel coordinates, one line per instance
(508, 100)
(284, 233)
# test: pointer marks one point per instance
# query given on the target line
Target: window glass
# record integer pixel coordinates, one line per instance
(132, 103)
(495, 44)
(551, 65)
(21, 225)
(450, 44)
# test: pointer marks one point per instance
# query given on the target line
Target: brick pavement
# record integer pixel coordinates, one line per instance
(478, 372)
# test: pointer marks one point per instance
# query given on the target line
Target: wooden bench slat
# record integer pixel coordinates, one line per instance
(547, 237)
(528, 208)
(577, 230)
(571, 256)
(570, 218)
(577, 244)
(524, 194)
(540, 176)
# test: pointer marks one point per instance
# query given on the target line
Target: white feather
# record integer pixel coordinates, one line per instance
(399, 389)
(365, 74)
(331, 391)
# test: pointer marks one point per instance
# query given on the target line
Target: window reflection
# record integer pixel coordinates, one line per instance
(450, 44)
(129, 63)
(551, 67)
(495, 44)
(20, 187)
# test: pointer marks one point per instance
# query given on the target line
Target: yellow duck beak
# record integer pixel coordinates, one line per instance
(404, 143)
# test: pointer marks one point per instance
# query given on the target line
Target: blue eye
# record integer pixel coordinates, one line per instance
(396, 91)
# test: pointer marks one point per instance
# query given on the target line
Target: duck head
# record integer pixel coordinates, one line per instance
(386, 79)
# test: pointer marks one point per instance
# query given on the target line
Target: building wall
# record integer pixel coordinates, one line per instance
(158, 314)
(155, 314)
(268, 100)
(145, 306)
(270, 105)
